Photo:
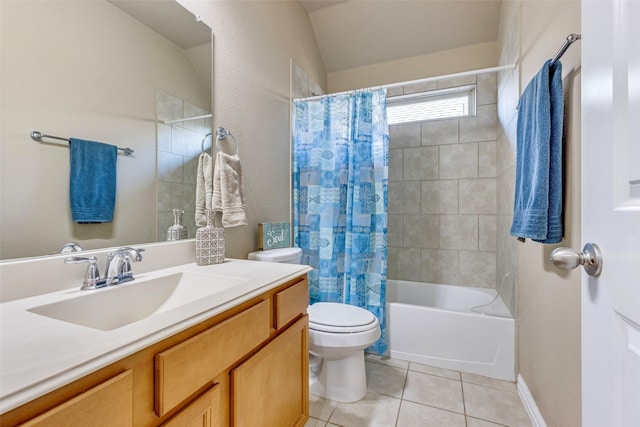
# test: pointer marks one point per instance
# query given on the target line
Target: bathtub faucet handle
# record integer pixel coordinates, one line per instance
(568, 259)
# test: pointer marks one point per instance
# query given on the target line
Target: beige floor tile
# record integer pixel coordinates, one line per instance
(498, 406)
(443, 393)
(387, 361)
(432, 370)
(375, 410)
(321, 408)
(416, 415)
(314, 422)
(432, 397)
(385, 379)
(474, 422)
(489, 382)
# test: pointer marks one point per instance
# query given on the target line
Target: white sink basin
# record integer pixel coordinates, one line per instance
(114, 307)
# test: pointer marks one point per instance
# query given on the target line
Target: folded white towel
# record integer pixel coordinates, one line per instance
(227, 190)
(204, 188)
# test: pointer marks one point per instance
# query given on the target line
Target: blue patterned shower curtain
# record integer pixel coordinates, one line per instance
(340, 178)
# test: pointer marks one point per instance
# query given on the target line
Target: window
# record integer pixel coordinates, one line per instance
(436, 104)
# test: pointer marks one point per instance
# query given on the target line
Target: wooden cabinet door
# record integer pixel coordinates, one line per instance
(109, 404)
(271, 389)
(199, 413)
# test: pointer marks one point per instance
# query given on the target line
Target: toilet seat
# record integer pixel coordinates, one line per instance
(340, 318)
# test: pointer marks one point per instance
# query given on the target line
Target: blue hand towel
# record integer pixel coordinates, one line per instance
(92, 182)
(538, 195)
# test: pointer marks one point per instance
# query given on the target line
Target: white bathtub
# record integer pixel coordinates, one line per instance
(434, 325)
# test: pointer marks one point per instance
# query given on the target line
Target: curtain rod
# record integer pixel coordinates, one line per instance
(424, 80)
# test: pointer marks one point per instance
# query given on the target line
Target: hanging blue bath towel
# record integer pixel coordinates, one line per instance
(92, 181)
(538, 195)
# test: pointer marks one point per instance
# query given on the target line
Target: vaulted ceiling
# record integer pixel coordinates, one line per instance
(353, 33)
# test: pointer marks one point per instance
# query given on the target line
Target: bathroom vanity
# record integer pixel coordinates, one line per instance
(235, 357)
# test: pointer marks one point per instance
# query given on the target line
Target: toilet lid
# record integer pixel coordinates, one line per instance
(336, 317)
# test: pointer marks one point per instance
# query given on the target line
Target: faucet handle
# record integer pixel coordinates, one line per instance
(92, 279)
(125, 274)
(135, 254)
(139, 252)
(119, 264)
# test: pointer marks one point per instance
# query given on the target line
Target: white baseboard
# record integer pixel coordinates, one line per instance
(530, 404)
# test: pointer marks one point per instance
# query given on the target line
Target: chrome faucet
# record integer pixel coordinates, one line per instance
(70, 247)
(118, 268)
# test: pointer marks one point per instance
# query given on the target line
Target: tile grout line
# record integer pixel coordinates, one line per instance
(464, 406)
(434, 407)
(404, 386)
(476, 417)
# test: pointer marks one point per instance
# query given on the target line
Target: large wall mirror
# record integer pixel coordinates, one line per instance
(121, 72)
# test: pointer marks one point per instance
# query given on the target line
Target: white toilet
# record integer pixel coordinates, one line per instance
(284, 255)
(338, 335)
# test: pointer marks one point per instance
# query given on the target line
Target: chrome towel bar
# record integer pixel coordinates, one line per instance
(571, 38)
(37, 136)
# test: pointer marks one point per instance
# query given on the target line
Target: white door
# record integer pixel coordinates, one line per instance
(611, 212)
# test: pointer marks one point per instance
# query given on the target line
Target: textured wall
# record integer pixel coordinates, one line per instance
(254, 44)
(548, 312)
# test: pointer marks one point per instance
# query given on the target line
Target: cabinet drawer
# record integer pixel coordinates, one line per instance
(109, 404)
(199, 413)
(185, 368)
(291, 302)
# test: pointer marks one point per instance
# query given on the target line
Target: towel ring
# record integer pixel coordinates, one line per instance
(221, 134)
(203, 140)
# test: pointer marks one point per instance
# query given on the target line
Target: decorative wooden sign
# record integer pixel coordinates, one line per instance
(273, 235)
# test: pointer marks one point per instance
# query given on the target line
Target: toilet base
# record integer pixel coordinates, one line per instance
(342, 380)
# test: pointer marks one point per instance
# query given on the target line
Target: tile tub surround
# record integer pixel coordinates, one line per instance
(403, 394)
(443, 195)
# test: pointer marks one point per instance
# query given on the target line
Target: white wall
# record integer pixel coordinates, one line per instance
(549, 299)
(101, 86)
(451, 61)
(254, 43)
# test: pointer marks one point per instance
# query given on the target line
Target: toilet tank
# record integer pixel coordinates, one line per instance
(284, 255)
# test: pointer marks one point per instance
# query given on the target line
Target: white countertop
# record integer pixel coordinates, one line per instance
(39, 354)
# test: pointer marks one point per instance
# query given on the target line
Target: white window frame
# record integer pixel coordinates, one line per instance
(435, 95)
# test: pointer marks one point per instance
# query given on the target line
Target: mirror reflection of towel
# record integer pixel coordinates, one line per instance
(92, 181)
(227, 190)
(204, 188)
